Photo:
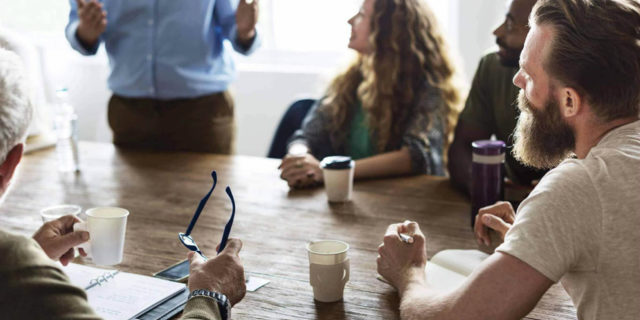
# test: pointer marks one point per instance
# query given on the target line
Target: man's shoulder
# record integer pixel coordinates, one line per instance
(569, 172)
(490, 59)
(490, 63)
(17, 251)
(568, 187)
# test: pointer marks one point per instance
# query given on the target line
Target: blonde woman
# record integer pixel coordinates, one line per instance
(392, 110)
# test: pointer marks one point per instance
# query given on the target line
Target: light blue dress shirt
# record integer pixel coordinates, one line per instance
(167, 49)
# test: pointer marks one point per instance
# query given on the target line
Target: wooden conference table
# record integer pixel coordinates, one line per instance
(161, 191)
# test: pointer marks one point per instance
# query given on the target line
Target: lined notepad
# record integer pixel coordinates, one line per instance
(118, 295)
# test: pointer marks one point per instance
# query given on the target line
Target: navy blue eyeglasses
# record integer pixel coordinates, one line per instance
(186, 239)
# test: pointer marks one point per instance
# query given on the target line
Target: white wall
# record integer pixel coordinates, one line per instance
(476, 20)
(267, 82)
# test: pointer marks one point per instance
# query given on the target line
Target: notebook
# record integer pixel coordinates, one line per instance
(448, 269)
(118, 295)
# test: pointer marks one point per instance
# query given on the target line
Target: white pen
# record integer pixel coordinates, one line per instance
(405, 238)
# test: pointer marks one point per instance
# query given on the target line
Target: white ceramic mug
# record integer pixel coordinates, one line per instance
(106, 226)
(337, 172)
(328, 269)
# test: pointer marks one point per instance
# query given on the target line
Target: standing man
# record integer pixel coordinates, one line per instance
(169, 68)
(491, 105)
(579, 100)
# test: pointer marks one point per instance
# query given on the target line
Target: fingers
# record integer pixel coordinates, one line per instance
(300, 178)
(194, 259)
(67, 222)
(495, 223)
(101, 21)
(413, 230)
(293, 172)
(247, 3)
(91, 12)
(233, 247)
(73, 239)
(67, 257)
(291, 163)
(80, 4)
(82, 252)
(393, 229)
(96, 14)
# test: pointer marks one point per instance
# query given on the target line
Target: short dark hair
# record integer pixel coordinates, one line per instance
(596, 51)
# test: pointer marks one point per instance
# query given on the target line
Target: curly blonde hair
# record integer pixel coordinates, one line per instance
(408, 52)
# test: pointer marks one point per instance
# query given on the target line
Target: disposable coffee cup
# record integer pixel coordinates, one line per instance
(338, 177)
(106, 227)
(54, 212)
(328, 269)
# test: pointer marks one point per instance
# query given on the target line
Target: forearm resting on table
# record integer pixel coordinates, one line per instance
(502, 287)
(387, 164)
(420, 302)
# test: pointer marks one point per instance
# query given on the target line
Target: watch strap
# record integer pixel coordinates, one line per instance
(223, 302)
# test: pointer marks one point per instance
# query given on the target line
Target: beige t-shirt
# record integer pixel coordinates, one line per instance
(581, 225)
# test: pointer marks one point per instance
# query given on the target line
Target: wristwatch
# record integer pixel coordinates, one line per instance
(223, 303)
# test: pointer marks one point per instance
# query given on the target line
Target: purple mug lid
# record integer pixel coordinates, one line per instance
(488, 147)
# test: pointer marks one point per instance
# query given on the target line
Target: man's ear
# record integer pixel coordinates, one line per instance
(571, 102)
(8, 167)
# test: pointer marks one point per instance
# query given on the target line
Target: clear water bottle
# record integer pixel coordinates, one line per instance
(65, 124)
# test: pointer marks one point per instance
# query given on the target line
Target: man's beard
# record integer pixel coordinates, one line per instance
(542, 139)
(511, 57)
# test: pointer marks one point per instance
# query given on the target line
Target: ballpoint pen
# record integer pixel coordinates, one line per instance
(405, 238)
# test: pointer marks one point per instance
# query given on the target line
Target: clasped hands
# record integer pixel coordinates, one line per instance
(402, 264)
(301, 171)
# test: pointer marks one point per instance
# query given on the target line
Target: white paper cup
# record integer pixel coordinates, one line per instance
(328, 269)
(338, 179)
(54, 212)
(106, 226)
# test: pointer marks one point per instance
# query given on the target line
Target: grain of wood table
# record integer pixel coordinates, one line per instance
(161, 190)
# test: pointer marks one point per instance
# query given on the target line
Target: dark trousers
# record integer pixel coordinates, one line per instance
(203, 124)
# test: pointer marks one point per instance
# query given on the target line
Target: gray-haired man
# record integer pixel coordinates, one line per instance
(32, 286)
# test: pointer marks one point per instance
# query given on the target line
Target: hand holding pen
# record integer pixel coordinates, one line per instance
(398, 262)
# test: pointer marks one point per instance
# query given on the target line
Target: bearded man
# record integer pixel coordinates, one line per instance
(579, 100)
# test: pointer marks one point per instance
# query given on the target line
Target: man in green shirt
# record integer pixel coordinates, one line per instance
(32, 286)
(491, 105)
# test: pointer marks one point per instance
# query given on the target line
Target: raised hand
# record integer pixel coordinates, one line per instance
(92, 21)
(223, 273)
(246, 19)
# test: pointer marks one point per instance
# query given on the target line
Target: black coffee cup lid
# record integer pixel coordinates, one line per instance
(336, 162)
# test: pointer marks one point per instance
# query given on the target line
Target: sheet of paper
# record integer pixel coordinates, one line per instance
(255, 283)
